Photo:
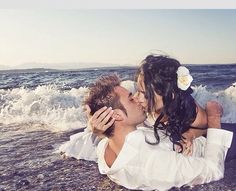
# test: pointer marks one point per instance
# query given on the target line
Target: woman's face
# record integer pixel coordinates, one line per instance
(139, 96)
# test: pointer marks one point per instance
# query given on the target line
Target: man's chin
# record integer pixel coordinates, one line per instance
(144, 117)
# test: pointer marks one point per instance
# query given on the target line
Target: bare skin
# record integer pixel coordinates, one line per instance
(110, 156)
(123, 124)
(99, 121)
(214, 112)
(99, 124)
(200, 121)
(191, 134)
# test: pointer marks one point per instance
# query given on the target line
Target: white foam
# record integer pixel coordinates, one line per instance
(63, 110)
(60, 110)
(227, 98)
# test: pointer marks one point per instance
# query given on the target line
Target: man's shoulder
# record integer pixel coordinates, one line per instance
(135, 136)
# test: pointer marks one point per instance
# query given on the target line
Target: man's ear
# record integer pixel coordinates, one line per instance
(118, 115)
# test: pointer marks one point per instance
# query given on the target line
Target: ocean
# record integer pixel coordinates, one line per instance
(40, 108)
(55, 98)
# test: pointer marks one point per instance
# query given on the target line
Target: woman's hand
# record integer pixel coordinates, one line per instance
(187, 144)
(99, 122)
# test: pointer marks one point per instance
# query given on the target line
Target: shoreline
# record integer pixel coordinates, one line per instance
(28, 162)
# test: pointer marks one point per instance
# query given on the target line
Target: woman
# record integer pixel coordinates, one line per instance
(163, 90)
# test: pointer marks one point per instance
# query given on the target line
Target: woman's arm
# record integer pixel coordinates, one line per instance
(200, 122)
(197, 129)
(199, 126)
(99, 121)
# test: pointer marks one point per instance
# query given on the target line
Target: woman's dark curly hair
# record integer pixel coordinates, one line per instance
(160, 77)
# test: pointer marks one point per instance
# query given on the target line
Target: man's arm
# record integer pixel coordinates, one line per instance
(165, 169)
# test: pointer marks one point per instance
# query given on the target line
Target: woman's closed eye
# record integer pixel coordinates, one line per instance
(130, 97)
(141, 92)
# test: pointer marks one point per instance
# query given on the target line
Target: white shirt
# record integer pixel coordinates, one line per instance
(143, 166)
(83, 145)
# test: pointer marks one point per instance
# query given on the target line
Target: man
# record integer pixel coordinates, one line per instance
(130, 161)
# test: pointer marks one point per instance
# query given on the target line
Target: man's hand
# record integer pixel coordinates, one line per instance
(214, 113)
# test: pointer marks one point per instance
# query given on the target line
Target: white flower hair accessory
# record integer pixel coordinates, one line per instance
(184, 78)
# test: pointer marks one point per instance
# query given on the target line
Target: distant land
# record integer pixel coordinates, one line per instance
(38, 70)
(29, 70)
(58, 66)
(92, 66)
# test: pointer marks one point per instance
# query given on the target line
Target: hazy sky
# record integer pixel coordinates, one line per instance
(124, 37)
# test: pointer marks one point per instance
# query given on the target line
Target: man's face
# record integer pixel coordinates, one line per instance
(135, 112)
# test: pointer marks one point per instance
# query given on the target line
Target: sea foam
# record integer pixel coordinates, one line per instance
(62, 110)
(59, 110)
(227, 98)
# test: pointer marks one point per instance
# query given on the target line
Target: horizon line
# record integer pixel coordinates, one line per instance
(96, 67)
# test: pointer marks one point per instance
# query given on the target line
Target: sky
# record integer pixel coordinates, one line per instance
(88, 38)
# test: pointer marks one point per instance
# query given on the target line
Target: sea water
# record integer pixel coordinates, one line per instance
(40, 109)
(55, 98)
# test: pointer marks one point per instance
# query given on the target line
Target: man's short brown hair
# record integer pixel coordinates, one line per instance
(102, 94)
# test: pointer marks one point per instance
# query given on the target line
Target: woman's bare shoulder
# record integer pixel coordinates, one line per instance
(201, 118)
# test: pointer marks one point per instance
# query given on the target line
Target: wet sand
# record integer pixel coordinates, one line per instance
(28, 163)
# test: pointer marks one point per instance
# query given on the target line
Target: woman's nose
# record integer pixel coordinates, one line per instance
(135, 97)
(135, 94)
